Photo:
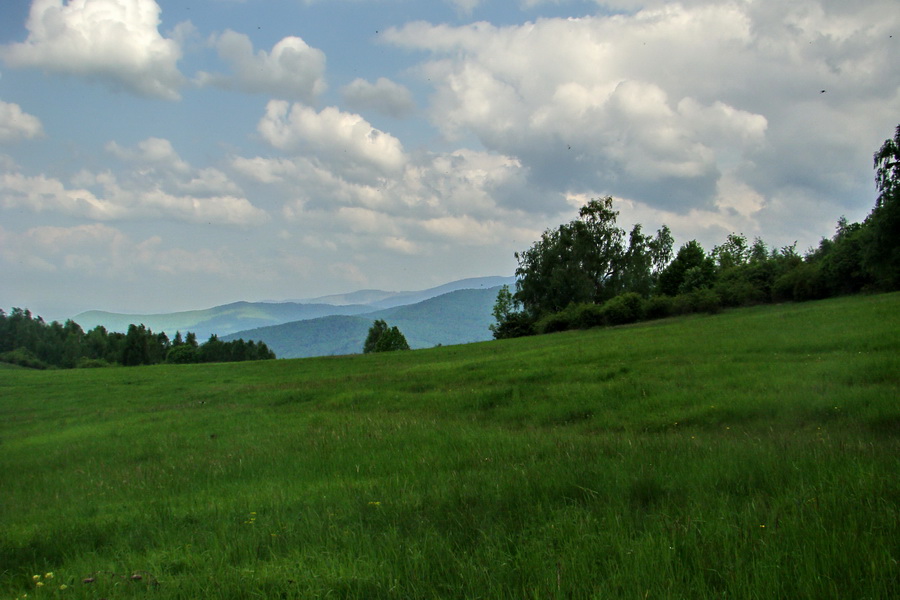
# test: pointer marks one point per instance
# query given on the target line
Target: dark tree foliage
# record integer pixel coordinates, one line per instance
(29, 341)
(690, 270)
(577, 262)
(383, 338)
(881, 252)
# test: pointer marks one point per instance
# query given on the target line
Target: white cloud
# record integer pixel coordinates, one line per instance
(41, 193)
(438, 200)
(15, 124)
(346, 142)
(292, 70)
(159, 184)
(384, 96)
(673, 104)
(114, 41)
(116, 202)
(155, 152)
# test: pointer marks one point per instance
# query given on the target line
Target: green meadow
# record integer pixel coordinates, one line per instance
(750, 454)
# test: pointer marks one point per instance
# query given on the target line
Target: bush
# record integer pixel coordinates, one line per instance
(589, 315)
(558, 321)
(659, 307)
(24, 358)
(183, 355)
(513, 326)
(803, 282)
(624, 308)
(703, 300)
(91, 363)
(706, 300)
(740, 292)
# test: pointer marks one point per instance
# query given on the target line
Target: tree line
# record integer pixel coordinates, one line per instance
(29, 341)
(589, 273)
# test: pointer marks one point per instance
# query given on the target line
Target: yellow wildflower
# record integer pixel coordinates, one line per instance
(35, 577)
(39, 584)
(49, 575)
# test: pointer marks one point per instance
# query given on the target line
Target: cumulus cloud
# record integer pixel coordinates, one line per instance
(41, 193)
(157, 184)
(117, 202)
(437, 201)
(113, 41)
(292, 70)
(15, 124)
(346, 142)
(153, 151)
(672, 104)
(383, 96)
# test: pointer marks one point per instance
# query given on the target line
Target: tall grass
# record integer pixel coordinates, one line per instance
(753, 454)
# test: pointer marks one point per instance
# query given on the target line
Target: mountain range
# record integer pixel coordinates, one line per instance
(454, 313)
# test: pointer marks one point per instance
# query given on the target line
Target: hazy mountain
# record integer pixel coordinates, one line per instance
(458, 317)
(220, 320)
(240, 316)
(383, 299)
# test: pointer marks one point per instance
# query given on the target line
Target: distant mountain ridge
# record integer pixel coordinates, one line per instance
(235, 317)
(458, 317)
(383, 299)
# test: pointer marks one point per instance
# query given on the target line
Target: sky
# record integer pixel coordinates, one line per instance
(166, 155)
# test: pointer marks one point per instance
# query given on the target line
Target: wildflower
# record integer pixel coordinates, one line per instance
(63, 586)
(39, 584)
(49, 575)
(35, 577)
(374, 503)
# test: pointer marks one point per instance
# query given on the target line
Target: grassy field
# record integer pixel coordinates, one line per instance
(752, 454)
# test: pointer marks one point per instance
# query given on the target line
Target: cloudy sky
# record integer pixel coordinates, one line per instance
(161, 155)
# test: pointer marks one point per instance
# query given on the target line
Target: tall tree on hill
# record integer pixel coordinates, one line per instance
(580, 261)
(382, 338)
(881, 255)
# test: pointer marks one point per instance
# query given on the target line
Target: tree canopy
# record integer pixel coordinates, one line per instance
(383, 338)
(29, 341)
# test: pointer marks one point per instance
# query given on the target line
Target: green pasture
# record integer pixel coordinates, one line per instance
(751, 454)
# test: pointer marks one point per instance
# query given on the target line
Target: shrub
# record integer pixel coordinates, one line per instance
(740, 292)
(24, 358)
(659, 307)
(703, 300)
(624, 308)
(183, 354)
(706, 300)
(513, 326)
(91, 363)
(803, 282)
(589, 315)
(558, 321)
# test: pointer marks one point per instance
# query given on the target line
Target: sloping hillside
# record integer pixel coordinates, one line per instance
(747, 455)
